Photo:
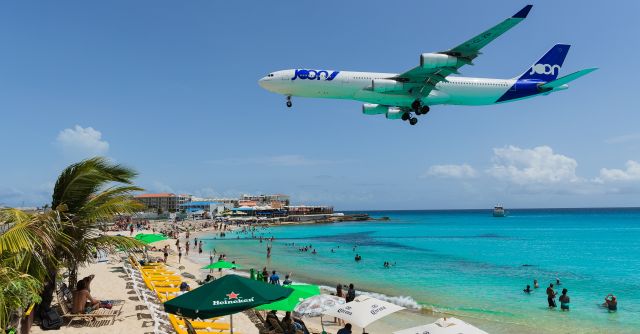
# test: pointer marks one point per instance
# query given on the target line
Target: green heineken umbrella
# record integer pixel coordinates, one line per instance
(227, 295)
(148, 238)
(221, 265)
(300, 292)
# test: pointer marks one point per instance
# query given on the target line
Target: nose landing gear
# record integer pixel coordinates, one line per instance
(289, 104)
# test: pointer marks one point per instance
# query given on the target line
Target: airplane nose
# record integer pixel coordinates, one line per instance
(262, 82)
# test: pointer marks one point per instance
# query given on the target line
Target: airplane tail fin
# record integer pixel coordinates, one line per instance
(548, 67)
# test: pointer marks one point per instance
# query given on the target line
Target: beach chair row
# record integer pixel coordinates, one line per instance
(156, 283)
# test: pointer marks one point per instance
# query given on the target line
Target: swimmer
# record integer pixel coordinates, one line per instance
(535, 284)
(527, 289)
(611, 303)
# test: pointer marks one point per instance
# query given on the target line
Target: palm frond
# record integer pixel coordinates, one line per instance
(80, 181)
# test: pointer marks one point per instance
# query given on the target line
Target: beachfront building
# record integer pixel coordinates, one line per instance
(310, 210)
(163, 202)
(206, 206)
(275, 200)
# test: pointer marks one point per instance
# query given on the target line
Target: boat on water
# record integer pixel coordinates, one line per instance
(498, 211)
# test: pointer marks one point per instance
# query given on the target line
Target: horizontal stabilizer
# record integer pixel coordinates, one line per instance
(567, 78)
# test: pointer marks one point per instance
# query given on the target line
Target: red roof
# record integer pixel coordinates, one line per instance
(155, 195)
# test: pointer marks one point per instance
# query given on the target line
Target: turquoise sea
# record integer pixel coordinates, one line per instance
(473, 265)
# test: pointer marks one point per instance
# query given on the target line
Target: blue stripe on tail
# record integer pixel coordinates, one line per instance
(548, 67)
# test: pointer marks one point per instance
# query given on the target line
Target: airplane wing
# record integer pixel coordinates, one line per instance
(435, 67)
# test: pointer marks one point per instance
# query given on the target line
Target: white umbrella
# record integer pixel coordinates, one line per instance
(315, 306)
(444, 326)
(363, 310)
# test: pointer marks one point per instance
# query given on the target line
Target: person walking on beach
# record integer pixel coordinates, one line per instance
(564, 300)
(166, 254)
(551, 296)
(351, 293)
(187, 247)
(179, 254)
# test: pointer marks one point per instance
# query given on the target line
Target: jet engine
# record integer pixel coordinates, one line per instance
(374, 109)
(435, 60)
(394, 113)
(385, 85)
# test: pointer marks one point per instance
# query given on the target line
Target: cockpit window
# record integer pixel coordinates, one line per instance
(270, 75)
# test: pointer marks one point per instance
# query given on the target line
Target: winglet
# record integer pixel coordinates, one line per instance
(523, 12)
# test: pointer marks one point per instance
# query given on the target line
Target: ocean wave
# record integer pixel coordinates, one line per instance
(404, 301)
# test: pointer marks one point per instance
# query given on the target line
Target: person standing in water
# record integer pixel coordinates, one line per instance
(527, 289)
(535, 284)
(551, 296)
(564, 300)
(611, 302)
(351, 294)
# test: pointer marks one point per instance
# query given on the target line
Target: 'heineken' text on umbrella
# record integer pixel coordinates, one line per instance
(227, 295)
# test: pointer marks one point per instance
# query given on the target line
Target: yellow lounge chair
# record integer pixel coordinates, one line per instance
(180, 330)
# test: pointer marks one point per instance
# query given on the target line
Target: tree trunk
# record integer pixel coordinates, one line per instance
(73, 276)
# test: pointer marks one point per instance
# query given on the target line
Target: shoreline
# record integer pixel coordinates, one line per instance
(415, 312)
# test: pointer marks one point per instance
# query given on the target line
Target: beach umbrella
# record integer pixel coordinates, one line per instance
(148, 238)
(221, 264)
(444, 326)
(363, 310)
(300, 293)
(317, 305)
(225, 296)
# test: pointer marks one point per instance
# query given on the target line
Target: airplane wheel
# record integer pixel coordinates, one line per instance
(406, 116)
(289, 104)
(413, 121)
(424, 110)
(415, 105)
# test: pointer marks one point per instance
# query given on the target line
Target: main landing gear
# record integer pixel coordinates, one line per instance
(418, 109)
(289, 104)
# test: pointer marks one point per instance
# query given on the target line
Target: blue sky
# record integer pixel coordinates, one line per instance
(170, 88)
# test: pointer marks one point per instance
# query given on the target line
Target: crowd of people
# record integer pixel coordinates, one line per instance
(610, 301)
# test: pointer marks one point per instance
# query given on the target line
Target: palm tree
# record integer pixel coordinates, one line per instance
(26, 250)
(85, 195)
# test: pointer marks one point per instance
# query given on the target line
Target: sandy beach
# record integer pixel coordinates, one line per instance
(112, 283)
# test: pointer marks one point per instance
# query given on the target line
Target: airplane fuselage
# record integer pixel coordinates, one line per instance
(456, 90)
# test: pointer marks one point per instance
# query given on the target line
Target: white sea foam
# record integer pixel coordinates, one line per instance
(404, 301)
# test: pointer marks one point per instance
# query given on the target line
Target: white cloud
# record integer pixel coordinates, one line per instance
(451, 171)
(81, 142)
(631, 173)
(539, 165)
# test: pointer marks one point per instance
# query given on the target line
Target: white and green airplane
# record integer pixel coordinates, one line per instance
(400, 96)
